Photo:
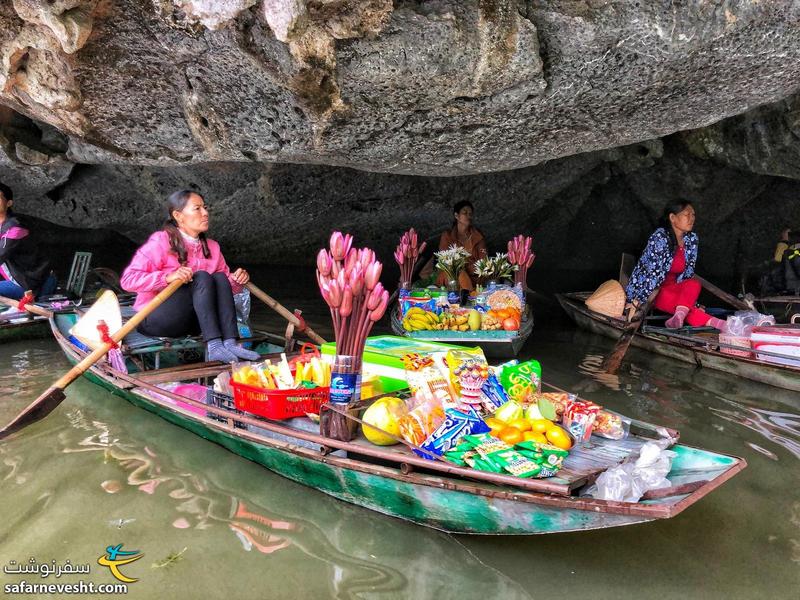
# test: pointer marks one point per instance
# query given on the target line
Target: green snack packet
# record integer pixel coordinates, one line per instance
(516, 464)
(485, 443)
(545, 450)
(481, 464)
(522, 381)
(456, 457)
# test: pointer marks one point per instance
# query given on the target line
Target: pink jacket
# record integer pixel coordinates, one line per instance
(147, 273)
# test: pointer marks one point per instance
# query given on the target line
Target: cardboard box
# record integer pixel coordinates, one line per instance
(783, 339)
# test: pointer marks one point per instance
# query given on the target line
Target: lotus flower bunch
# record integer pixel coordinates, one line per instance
(521, 255)
(407, 255)
(349, 280)
(452, 261)
(497, 267)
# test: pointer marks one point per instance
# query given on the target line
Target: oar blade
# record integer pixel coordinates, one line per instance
(36, 410)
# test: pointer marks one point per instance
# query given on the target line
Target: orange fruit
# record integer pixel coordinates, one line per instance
(532, 436)
(511, 435)
(496, 425)
(541, 425)
(559, 438)
(521, 424)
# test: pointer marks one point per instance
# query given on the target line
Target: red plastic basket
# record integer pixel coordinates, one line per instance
(278, 404)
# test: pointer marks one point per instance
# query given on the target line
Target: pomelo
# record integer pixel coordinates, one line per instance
(385, 414)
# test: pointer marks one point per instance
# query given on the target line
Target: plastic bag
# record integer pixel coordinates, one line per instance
(629, 481)
(741, 323)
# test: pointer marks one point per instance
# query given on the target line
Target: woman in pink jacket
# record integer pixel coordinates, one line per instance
(181, 251)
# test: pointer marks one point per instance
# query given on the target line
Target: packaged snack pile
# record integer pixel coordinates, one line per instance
(495, 419)
(278, 375)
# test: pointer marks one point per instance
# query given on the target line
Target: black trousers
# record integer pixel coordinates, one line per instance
(204, 305)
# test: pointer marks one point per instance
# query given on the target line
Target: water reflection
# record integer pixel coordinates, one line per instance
(172, 477)
(778, 427)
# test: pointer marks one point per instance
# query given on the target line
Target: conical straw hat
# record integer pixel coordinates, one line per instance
(608, 299)
(106, 308)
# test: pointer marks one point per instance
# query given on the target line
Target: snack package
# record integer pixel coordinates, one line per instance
(422, 420)
(611, 426)
(552, 404)
(578, 419)
(505, 296)
(422, 374)
(456, 425)
(463, 361)
(493, 396)
(522, 381)
(548, 457)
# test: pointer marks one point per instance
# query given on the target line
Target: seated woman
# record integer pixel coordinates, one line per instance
(461, 233)
(667, 265)
(22, 266)
(181, 251)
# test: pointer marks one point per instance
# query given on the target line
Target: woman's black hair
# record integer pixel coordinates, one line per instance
(673, 208)
(177, 201)
(7, 192)
(458, 206)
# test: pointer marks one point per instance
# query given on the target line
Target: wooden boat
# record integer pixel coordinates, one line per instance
(495, 344)
(396, 482)
(701, 349)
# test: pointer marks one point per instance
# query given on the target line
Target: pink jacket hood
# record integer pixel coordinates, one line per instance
(147, 273)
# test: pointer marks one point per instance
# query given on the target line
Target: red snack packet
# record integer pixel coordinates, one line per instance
(578, 419)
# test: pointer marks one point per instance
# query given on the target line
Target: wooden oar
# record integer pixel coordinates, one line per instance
(614, 360)
(30, 307)
(54, 395)
(723, 295)
(302, 327)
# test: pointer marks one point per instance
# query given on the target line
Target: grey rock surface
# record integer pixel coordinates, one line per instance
(441, 87)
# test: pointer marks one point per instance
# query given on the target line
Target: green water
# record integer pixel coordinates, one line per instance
(98, 472)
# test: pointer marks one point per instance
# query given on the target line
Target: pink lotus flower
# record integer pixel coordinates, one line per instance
(347, 302)
(374, 297)
(372, 275)
(337, 246)
(324, 262)
(377, 313)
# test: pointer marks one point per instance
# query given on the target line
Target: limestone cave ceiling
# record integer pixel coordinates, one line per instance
(107, 104)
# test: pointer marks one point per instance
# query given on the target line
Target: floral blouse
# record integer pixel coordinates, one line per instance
(655, 262)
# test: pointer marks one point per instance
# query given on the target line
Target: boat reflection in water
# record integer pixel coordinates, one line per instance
(772, 413)
(365, 552)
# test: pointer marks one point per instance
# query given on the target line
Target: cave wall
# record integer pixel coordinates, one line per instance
(572, 120)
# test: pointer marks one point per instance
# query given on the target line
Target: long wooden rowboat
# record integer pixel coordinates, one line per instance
(398, 483)
(701, 350)
(495, 344)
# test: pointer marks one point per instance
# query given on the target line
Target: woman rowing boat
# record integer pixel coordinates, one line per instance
(667, 265)
(181, 251)
(22, 266)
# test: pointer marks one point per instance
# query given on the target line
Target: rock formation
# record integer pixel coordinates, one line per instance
(572, 119)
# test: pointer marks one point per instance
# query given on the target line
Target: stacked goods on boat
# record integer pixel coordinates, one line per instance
(493, 419)
(500, 307)
(751, 334)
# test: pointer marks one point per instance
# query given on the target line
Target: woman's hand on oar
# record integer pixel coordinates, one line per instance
(284, 312)
(54, 395)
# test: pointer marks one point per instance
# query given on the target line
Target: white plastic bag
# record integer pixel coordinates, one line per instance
(629, 481)
(741, 323)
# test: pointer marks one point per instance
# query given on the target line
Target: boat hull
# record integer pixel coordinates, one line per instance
(33, 329)
(429, 500)
(754, 370)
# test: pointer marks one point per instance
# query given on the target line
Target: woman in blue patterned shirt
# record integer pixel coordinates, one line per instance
(667, 265)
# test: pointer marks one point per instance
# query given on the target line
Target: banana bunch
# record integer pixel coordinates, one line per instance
(417, 319)
(451, 322)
